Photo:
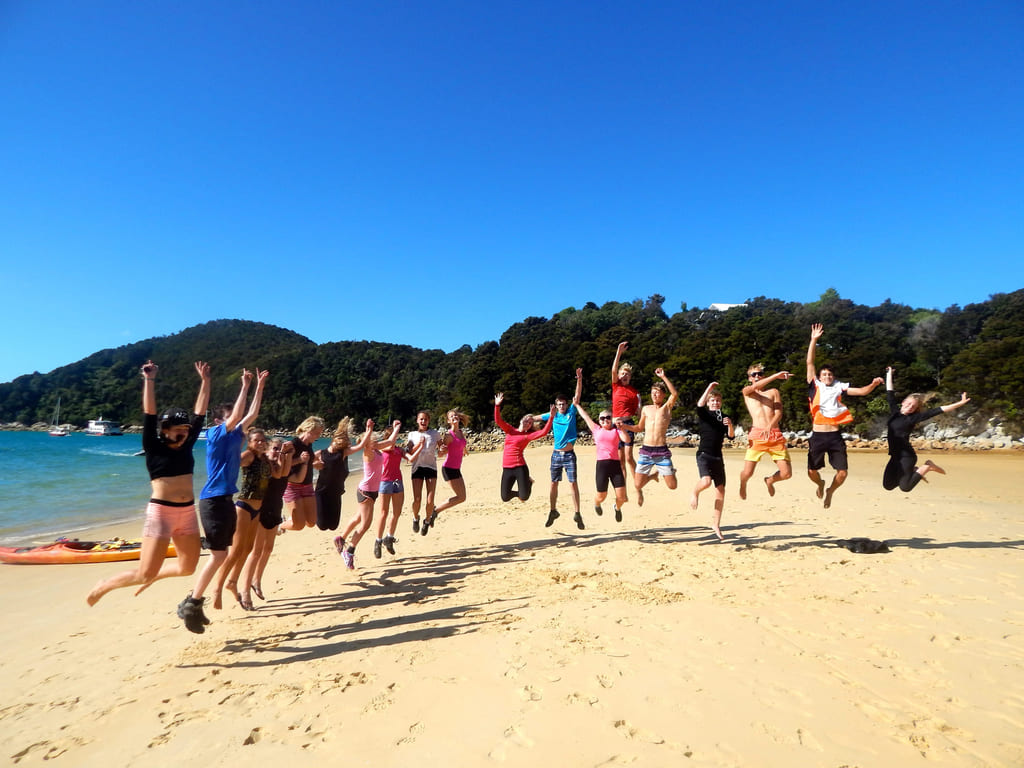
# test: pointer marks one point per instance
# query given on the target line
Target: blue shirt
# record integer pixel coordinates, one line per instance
(563, 428)
(223, 458)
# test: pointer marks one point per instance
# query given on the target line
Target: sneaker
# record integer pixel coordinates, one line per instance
(389, 544)
(376, 548)
(427, 522)
(349, 556)
(597, 510)
(578, 519)
(552, 516)
(618, 515)
(339, 544)
(415, 525)
(191, 610)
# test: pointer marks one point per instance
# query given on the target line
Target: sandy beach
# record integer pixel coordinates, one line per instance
(495, 640)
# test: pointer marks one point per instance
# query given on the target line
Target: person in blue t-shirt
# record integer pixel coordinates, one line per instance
(563, 428)
(216, 500)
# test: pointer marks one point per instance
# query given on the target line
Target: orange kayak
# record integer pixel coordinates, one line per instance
(68, 551)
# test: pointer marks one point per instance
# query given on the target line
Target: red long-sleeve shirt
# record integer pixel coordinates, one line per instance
(516, 441)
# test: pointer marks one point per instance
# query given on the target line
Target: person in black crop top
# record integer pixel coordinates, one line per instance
(713, 427)
(170, 515)
(903, 417)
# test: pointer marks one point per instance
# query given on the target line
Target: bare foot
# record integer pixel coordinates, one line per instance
(639, 497)
(693, 501)
(718, 532)
(828, 499)
(743, 489)
(218, 600)
(821, 490)
(935, 467)
(95, 595)
(145, 586)
(770, 484)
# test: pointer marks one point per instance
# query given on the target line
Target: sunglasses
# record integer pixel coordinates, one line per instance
(756, 374)
(604, 418)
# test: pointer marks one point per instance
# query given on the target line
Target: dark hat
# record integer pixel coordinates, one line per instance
(174, 417)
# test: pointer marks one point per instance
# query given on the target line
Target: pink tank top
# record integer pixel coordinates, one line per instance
(393, 464)
(456, 450)
(607, 443)
(372, 471)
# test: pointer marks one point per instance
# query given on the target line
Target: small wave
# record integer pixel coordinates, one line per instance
(98, 452)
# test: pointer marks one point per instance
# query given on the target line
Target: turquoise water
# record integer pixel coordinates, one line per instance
(59, 486)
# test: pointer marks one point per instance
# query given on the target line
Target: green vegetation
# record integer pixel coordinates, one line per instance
(978, 348)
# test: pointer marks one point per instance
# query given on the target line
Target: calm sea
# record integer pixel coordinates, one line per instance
(60, 486)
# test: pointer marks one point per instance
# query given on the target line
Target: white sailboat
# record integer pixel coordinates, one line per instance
(55, 429)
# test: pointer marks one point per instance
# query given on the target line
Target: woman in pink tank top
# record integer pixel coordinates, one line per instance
(453, 445)
(609, 469)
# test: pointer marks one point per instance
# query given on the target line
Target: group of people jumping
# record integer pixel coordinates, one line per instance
(286, 485)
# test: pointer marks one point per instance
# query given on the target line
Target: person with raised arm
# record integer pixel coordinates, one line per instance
(765, 438)
(515, 475)
(563, 457)
(828, 414)
(713, 427)
(607, 437)
(902, 471)
(167, 442)
(625, 405)
(655, 455)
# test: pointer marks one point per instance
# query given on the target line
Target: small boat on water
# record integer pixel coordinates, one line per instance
(55, 429)
(66, 551)
(103, 428)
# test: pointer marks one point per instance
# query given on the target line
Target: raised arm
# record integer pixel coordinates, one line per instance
(238, 409)
(203, 397)
(579, 387)
(586, 416)
(257, 399)
(964, 400)
(816, 331)
(362, 441)
(615, 363)
(888, 380)
(707, 393)
(283, 466)
(764, 381)
(148, 372)
(388, 443)
(866, 390)
(673, 396)
(503, 425)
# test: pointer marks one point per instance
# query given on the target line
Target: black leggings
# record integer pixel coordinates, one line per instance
(901, 472)
(516, 476)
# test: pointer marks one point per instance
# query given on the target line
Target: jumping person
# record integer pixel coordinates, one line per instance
(279, 454)
(654, 420)
(713, 427)
(765, 408)
(901, 471)
(625, 405)
(515, 475)
(392, 496)
(424, 470)
(828, 414)
(366, 493)
(171, 513)
(300, 494)
(330, 482)
(607, 437)
(563, 457)
(216, 500)
(453, 446)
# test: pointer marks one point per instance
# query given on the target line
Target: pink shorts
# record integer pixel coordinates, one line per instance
(164, 520)
(296, 491)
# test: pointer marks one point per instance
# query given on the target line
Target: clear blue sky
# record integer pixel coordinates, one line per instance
(429, 173)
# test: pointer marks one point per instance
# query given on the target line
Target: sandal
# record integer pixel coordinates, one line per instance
(257, 591)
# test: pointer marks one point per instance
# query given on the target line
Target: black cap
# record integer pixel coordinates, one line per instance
(174, 417)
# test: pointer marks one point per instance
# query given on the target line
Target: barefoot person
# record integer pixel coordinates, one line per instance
(424, 470)
(607, 437)
(366, 493)
(216, 500)
(765, 407)
(279, 454)
(828, 414)
(563, 457)
(655, 455)
(713, 427)
(515, 475)
(625, 404)
(901, 471)
(300, 494)
(171, 513)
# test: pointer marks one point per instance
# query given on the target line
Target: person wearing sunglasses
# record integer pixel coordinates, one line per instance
(765, 438)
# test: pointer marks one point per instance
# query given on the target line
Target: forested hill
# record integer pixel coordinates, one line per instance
(978, 348)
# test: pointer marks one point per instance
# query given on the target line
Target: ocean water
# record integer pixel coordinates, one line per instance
(61, 486)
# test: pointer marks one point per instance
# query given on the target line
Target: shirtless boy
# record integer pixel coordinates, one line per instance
(765, 407)
(654, 421)
(828, 414)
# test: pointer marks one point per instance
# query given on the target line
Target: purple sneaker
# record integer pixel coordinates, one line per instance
(350, 559)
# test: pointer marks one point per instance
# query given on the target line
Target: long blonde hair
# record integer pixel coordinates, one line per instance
(343, 432)
(309, 424)
(463, 418)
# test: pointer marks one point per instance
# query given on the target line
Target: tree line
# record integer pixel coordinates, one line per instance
(978, 348)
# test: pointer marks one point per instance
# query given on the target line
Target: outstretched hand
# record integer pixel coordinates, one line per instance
(498, 398)
(261, 376)
(202, 368)
(246, 376)
(816, 331)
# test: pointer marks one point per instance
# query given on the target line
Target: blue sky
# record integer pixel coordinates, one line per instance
(429, 173)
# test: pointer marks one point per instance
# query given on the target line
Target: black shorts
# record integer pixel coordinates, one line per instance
(362, 495)
(450, 474)
(218, 516)
(822, 443)
(711, 466)
(609, 470)
(424, 473)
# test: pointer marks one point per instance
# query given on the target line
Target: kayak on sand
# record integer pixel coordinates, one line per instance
(73, 551)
